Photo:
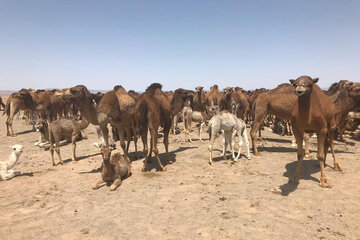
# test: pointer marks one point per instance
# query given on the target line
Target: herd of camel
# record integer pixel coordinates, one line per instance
(301, 104)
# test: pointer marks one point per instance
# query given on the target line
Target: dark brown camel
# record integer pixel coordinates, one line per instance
(200, 100)
(153, 109)
(236, 102)
(22, 100)
(313, 112)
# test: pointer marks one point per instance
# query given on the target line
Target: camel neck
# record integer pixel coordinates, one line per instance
(344, 103)
(89, 113)
(176, 105)
(13, 159)
(304, 105)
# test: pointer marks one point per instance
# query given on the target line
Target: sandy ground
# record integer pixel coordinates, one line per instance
(192, 200)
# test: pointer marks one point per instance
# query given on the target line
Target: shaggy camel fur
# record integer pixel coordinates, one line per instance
(22, 100)
(6, 171)
(214, 98)
(236, 102)
(114, 168)
(192, 116)
(117, 108)
(200, 100)
(2, 104)
(230, 125)
(313, 111)
(347, 100)
(64, 128)
(153, 109)
(279, 102)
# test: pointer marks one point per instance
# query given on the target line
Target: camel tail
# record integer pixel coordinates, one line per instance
(7, 108)
(141, 117)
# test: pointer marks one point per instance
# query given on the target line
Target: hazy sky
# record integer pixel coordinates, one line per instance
(252, 44)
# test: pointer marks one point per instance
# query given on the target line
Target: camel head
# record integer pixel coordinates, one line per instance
(17, 149)
(199, 89)
(354, 90)
(228, 90)
(25, 95)
(183, 93)
(79, 92)
(106, 153)
(303, 85)
(41, 124)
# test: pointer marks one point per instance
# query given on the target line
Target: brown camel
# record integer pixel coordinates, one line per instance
(64, 128)
(214, 98)
(117, 108)
(114, 168)
(236, 102)
(153, 109)
(347, 99)
(22, 100)
(279, 102)
(313, 112)
(200, 100)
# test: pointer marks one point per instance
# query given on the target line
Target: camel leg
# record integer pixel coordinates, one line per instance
(247, 144)
(135, 132)
(224, 146)
(115, 184)
(259, 116)
(13, 110)
(212, 140)
(57, 150)
(98, 184)
(73, 142)
(306, 140)
(240, 145)
(321, 137)
(145, 149)
(300, 154)
(200, 130)
(166, 143)
(330, 140)
(105, 133)
(154, 138)
(129, 136)
(122, 142)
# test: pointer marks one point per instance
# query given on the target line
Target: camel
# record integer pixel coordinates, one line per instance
(22, 100)
(101, 142)
(313, 111)
(279, 102)
(347, 99)
(2, 105)
(192, 116)
(230, 125)
(64, 128)
(114, 168)
(6, 171)
(117, 108)
(152, 110)
(214, 98)
(200, 100)
(236, 102)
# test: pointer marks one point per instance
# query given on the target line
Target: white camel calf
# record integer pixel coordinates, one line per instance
(6, 171)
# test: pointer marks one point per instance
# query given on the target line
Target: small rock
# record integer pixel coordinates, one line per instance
(85, 231)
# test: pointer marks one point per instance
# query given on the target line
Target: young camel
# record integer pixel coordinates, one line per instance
(313, 111)
(64, 128)
(230, 125)
(192, 116)
(6, 171)
(114, 168)
(152, 110)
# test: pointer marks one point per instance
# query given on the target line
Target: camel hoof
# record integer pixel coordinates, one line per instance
(163, 169)
(249, 158)
(235, 160)
(212, 163)
(324, 184)
(337, 167)
(144, 169)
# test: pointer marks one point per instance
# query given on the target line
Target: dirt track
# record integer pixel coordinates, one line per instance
(192, 200)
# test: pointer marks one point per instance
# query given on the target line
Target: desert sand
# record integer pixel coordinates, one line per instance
(249, 199)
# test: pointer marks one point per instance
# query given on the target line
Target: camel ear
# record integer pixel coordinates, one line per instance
(315, 80)
(292, 81)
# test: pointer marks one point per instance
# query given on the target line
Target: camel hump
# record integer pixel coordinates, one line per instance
(152, 88)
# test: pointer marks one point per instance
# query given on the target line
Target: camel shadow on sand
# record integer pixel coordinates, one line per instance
(25, 132)
(309, 167)
(153, 164)
(79, 158)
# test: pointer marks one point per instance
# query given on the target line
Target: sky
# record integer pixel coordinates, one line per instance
(251, 44)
